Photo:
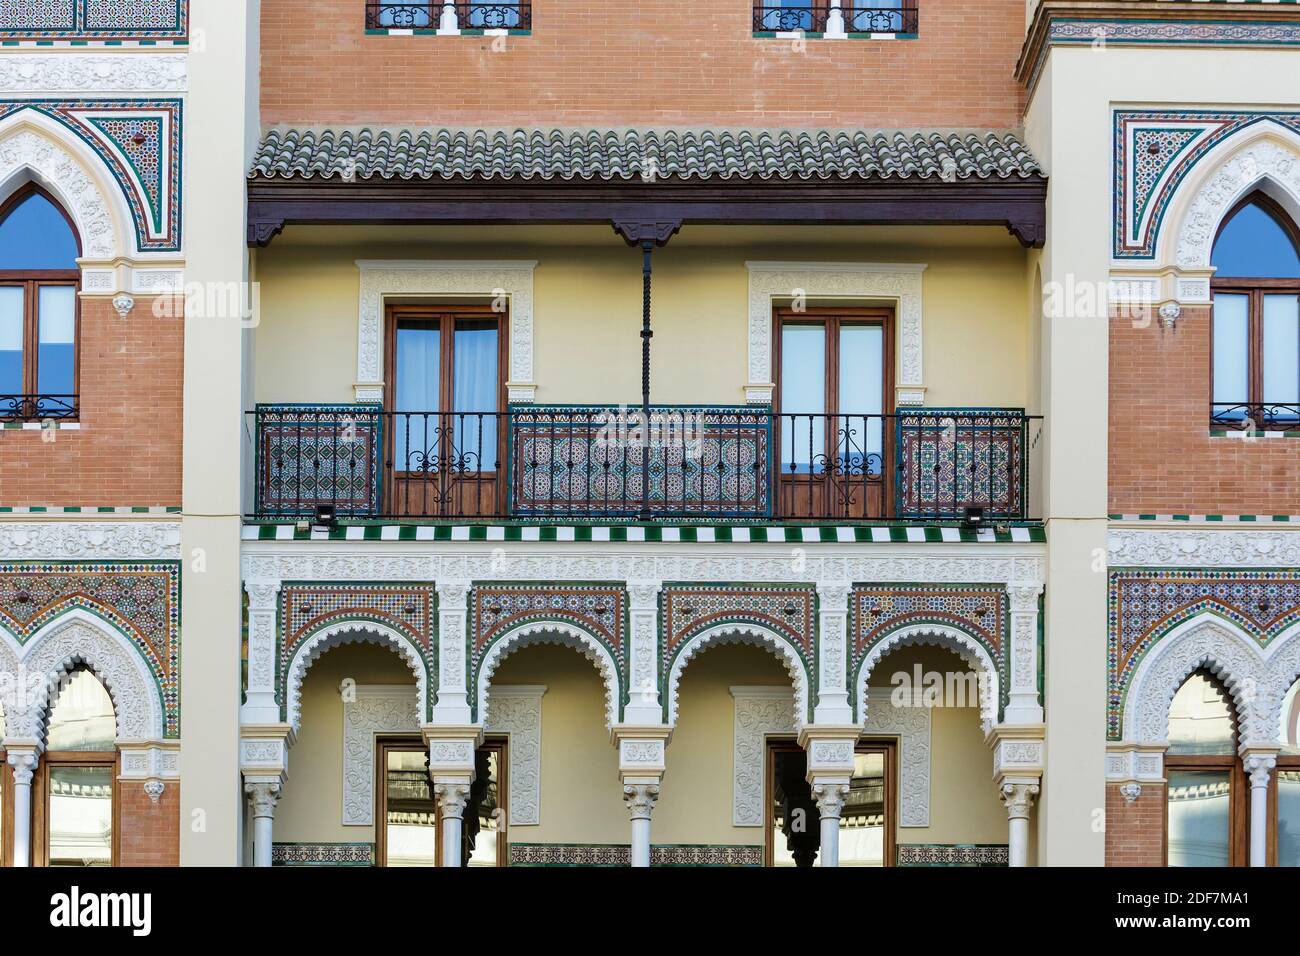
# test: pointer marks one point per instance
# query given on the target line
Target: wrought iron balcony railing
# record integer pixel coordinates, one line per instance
(790, 16)
(592, 463)
(460, 15)
(1251, 417)
(37, 408)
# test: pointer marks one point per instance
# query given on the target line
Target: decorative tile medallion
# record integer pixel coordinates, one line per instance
(140, 141)
(571, 854)
(1153, 152)
(307, 608)
(980, 610)
(1144, 606)
(951, 458)
(956, 854)
(141, 600)
(599, 610)
(705, 461)
(309, 455)
(687, 610)
(322, 854)
(94, 20)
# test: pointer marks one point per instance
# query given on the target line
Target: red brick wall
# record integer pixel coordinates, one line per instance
(649, 61)
(1162, 458)
(150, 832)
(128, 451)
(1135, 832)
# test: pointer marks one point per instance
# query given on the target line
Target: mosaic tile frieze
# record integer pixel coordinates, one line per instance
(946, 854)
(318, 454)
(106, 20)
(1153, 152)
(140, 600)
(981, 611)
(951, 458)
(712, 462)
(322, 854)
(305, 609)
(1145, 605)
(599, 610)
(140, 143)
(569, 854)
(687, 610)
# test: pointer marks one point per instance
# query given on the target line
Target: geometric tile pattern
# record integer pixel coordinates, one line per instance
(1153, 151)
(575, 855)
(942, 854)
(318, 454)
(322, 854)
(956, 457)
(688, 609)
(980, 610)
(578, 460)
(142, 600)
(1145, 605)
(94, 19)
(140, 141)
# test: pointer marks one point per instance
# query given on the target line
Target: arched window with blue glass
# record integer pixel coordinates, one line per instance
(1256, 328)
(38, 308)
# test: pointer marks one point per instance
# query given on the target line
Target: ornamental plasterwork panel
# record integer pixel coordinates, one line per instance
(92, 74)
(90, 540)
(897, 282)
(1145, 607)
(121, 605)
(377, 709)
(764, 711)
(381, 279)
(1195, 548)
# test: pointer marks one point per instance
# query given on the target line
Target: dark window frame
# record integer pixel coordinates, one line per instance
(41, 801)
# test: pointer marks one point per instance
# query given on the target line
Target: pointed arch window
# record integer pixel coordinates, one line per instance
(1256, 326)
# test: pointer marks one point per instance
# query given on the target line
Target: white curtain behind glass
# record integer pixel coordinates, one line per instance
(419, 357)
(475, 391)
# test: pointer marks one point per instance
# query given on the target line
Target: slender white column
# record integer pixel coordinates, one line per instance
(643, 705)
(1018, 798)
(830, 804)
(1259, 766)
(451, 802)
(24, 764)
(263, 797)
(640, 799)
(835, 22)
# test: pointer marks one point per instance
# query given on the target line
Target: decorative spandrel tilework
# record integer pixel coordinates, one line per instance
(688, 610)
(318, 454)
(1153, 152)
(306, 609)
(981, 611)
(140, 600)
(703, 461)
(952, 458)
(598, 609)
(140, 142)
(1144, 606)
(949, 854)
(94, 19)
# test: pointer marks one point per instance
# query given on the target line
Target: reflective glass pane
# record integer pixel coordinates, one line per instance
(406, 16)
(1252, 244)
(874, 16)
(81, 816)
(475, 389)
(803, 396)
(56, 359)
(35, 235)
(1289, 724)
(862, 821)
(494, 16)
(1200, 718)
(862, 371)
(411, 826)
(488, 812)
(1288, 818)
(1282, 350)
(82, 717)
(1198, 817)
(11, 341)
(419, 377)
(795, 824)
(1231, 352)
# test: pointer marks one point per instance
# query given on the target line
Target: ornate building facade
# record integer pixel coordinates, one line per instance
(774, 436)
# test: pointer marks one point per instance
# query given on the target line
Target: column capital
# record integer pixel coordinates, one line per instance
(830, 749)
(1018, 751)
(24, 763)
(451, 751)
(830, 798)
(1018, 797)
(263, 796)
(1024, 595)
(640, 799)
(835, 593)
(452, 797)
(453, 595)
(643, 594)
(1259, 764)
(262, 593)
(641, 751)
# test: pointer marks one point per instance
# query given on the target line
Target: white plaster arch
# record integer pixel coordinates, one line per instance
(951, 638)
(33, 672)
(1263, 156)
(35, 147)
(351, 631)
(563, 633)
(742, 633)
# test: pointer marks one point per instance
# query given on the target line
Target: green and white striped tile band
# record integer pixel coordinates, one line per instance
(693, 534)
(126, 510)
(40, 426)
(1211, 519)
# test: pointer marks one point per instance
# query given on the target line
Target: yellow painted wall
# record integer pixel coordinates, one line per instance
(587, 307)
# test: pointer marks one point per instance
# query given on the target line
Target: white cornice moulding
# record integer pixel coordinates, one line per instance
(1204, 548)
(87, 75)
(56, 540)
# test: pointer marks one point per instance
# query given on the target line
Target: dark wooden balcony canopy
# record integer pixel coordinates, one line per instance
(630, 178)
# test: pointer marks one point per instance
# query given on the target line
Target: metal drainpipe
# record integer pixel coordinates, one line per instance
(647, 247)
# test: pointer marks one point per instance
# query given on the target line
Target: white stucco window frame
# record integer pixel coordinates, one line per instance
(897, 283)
(387, 279)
